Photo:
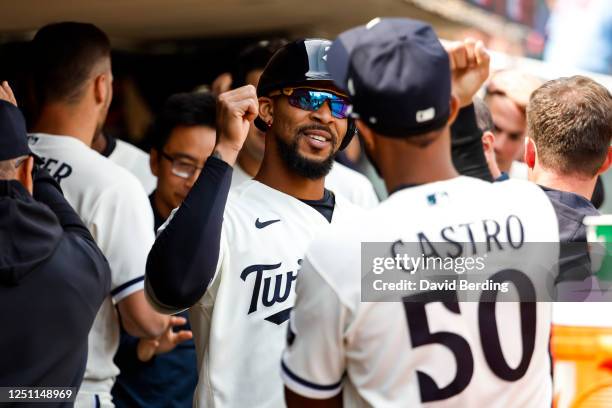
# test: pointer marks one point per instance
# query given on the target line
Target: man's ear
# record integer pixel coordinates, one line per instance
(454, 110)
(488, 141)
(607, 162)
(102, 88)
(24, 174)
(531, 152)
(266, 110)
(154, 161)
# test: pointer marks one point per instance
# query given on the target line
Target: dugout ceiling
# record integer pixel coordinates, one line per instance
(129, 21)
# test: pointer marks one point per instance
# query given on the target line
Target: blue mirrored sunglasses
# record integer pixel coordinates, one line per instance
(313, 99)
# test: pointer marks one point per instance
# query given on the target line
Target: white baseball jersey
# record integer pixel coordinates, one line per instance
(411, 354)
(239, 324)
(518, 170)
(239, 176)
(352, 185)
(113, 205)
(136, 162)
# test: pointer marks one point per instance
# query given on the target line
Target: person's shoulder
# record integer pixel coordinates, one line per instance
(124, 148)
(340, 172)
(239, 176)
(335, 254)
(517, 188)
(116, 180)
(89, 270)
(94, 170)
(347, 208)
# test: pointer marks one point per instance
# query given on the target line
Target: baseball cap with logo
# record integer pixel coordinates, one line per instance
(397, 74)
(13, 135)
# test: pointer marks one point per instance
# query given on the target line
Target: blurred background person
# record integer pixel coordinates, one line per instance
(46, 320)
(486, 126)
(341, 180)
(183, 137)
(163, 373)
(72, 82)
(507, 95)
(127, 156)
(568, 147)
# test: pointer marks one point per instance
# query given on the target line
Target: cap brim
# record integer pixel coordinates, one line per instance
(339, 55)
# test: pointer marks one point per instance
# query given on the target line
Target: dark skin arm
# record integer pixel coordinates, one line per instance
(294, 400)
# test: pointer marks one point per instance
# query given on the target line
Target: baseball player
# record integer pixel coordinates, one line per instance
(233, 261)
(341, 180)
(74, 92)
(425, 348)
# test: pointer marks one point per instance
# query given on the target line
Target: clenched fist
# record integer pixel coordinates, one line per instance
(469, 63)
(236, 109)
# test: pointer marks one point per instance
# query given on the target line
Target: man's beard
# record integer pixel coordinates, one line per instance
(311, 169)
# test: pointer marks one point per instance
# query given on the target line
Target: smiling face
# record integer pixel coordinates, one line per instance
(306, 141)
(186, 151)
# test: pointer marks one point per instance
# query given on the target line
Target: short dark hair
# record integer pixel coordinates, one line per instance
(62, 56)
(183, 109)
(255, 56)
(570, 122)
(484, 119)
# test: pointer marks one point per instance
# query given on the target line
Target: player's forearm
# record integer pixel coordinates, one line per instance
(184, 257)
(139, 319)
(468, 154)
(147, 326)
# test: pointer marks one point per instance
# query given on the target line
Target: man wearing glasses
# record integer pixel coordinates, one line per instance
(233, 261)
(183, 138)
(341, 179)
(163, 372)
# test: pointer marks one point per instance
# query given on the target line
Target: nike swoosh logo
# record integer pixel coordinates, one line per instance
(264, 224)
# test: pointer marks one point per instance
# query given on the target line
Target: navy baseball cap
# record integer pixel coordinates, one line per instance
(13, 135)
(397, 75)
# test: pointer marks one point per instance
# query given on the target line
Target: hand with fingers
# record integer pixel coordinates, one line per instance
(469, 61)
(147, 348)
(236, 109)
(6, 93)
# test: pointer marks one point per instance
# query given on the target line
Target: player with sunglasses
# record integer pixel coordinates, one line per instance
(233, 261)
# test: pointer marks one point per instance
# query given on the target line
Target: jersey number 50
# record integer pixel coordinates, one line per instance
(420, 335)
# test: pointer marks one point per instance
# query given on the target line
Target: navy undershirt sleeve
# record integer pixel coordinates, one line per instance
(184, 258)
(468, 154)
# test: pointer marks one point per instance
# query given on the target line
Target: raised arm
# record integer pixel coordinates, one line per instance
(184, 258)
(469, 69)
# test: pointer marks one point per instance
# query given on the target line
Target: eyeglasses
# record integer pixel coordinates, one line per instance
(312, 100)
(181, 168)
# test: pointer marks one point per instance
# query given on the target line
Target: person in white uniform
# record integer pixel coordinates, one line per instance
(426, 348)
(73, 90)
(342, 180)
(232, 261)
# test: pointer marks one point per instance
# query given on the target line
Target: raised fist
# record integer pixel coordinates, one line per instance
(236, 109)
(469, 63)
